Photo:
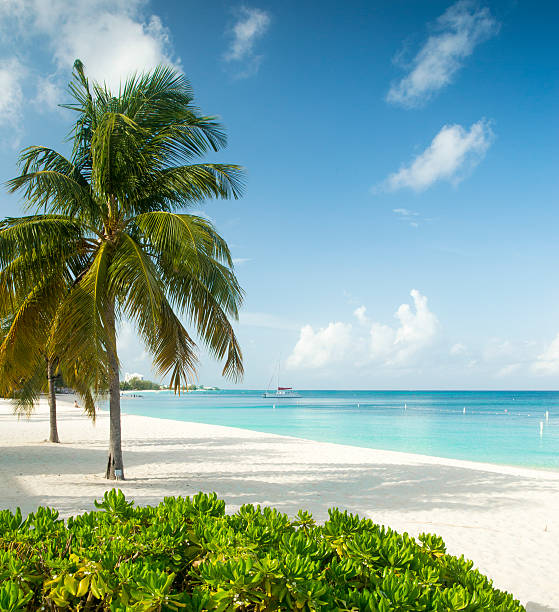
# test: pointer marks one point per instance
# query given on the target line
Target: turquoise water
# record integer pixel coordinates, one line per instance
(498, 426)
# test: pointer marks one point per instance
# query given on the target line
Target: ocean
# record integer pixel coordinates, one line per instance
(505, 427)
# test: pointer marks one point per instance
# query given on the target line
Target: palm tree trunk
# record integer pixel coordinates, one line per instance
(115, 467)
(52, 402)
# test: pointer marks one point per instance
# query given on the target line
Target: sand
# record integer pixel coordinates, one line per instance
(505, 519)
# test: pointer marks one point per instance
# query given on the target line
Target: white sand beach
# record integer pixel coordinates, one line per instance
(505, 519)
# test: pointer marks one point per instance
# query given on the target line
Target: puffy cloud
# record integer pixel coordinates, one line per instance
(370, 341)
(113, 38)
(325, 346)
(381, 342)
(418, 328)
(360, 314)
(548, 361)
(12, 74)
(416, 343)
(457, 32)
(415, 326)
(450, 155)
(114, 46)
(251, 25)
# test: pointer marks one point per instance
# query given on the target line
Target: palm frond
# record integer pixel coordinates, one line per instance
(78, 334)
(208, 299)
(52, 182)
(25, 333)
(28, 392)
(41, 235)
(182, 186)
(135, 277)
(184, 237)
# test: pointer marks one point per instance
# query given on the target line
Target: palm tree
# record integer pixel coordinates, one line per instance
(24, 377)
(108, 218)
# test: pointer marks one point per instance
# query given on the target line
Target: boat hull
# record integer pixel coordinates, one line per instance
(281, 395)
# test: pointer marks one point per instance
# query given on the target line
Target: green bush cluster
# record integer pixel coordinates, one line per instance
(187, 554)
(138, 384)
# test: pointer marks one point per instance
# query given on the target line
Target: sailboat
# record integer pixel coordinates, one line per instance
(280, 392)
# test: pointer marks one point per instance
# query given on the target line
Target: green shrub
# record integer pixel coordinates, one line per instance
(187, 554)
(138, 384)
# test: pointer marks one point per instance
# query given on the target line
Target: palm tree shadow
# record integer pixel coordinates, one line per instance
(532, 606)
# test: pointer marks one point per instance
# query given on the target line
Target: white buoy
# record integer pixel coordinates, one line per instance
(541, 428)
(405, 406)
(547, 416)
(358, 405)
(464, 411)
(274, 406)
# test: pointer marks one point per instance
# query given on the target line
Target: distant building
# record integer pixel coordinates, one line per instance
(129, 376)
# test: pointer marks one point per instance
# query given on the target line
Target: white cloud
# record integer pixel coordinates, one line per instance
(325, 346)
(508, 357)
(12, 74)
(408, 216)
(404, 212)
(360, 314)
(457, 32)
(450, 155)
(548, 361)
(458, 349)
(113, 38)
(251, 25)
(49, 95)
(417, 329)
(239, 261)
(370, 341)
(112, 46)
(381, 342)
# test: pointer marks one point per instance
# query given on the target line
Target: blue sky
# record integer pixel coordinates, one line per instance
(399, 226)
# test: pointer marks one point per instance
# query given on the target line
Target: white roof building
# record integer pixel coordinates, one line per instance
(129, 376)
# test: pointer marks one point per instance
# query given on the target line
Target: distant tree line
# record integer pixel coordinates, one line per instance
(138, 384)
(199, 388)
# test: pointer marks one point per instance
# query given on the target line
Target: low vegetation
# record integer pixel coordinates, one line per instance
(187, 554)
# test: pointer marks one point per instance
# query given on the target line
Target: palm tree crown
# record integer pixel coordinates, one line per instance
(107, 231)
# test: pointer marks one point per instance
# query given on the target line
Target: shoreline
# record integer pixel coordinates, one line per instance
(507, 468)
(502, 517)
(438, 458)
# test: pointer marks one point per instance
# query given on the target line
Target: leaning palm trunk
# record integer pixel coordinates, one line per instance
(52, 402)
(115, 467)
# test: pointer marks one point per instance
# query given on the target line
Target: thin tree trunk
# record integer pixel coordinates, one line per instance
(115, 467)
(52, 402)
